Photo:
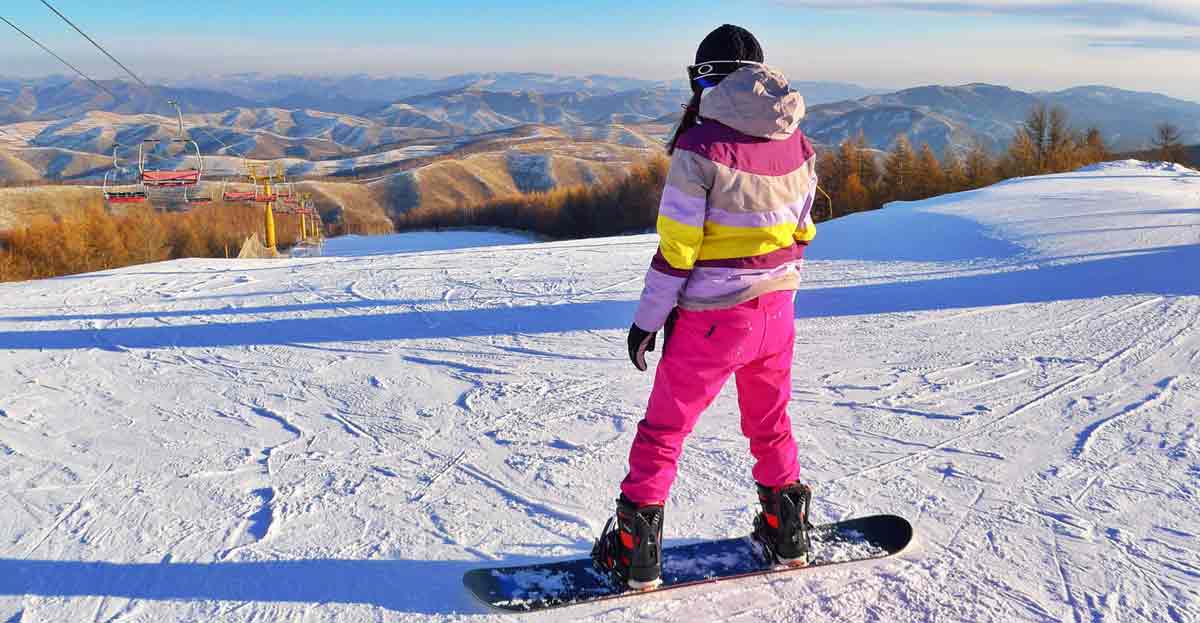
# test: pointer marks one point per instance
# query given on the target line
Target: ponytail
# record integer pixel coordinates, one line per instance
(691, 115)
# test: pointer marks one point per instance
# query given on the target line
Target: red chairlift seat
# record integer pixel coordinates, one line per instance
(125, 197)
(170, 179)
(240, 196)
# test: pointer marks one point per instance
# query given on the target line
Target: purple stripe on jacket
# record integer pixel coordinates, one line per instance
(682, 207)
(761, 156)
(714, 287)
(658, 299)
(785, 214)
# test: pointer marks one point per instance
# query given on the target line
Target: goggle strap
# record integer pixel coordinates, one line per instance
(701, 72)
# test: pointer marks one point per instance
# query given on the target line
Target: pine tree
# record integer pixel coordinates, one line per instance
(899, 170)
(856, 197)
(1022, 159)
(981, 169)
(868, 168)
(1061, 149)
(1094, 149)
(955, 171)
(1033, 135)
(929, 180)
(829, 169)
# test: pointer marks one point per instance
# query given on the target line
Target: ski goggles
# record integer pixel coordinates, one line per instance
(711, 74)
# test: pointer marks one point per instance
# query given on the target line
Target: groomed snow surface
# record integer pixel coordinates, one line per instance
(1016, 370)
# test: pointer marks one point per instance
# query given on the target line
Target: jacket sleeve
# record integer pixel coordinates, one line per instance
(681, 232)
(806, 230)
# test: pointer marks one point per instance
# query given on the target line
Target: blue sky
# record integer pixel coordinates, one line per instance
(1031, 44)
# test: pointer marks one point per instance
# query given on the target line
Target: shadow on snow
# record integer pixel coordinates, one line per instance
(1167, 271)
(415, 586)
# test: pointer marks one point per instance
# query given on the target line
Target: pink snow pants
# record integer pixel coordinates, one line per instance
(753, 341)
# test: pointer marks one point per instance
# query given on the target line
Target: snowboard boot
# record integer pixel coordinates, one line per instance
(782, 527)
(631, 545)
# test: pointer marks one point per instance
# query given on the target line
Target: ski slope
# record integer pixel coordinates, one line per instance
(1016, 370)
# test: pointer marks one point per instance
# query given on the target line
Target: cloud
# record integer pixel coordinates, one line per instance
(1098, 12)
(1153, 42)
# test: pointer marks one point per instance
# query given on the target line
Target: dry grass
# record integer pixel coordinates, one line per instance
(350, 208)
(15, 170)
(92, 238)
(626, 204)
(23, 205)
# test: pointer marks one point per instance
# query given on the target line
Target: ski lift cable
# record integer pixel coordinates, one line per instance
(227, 148)
(98, 46)
(145, 86)
(60, 59)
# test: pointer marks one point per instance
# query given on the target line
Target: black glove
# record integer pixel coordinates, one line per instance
(640, 341)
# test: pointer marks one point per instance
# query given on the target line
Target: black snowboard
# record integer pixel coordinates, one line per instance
(555, 584)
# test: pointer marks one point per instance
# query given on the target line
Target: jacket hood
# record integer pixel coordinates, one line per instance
(755, 100)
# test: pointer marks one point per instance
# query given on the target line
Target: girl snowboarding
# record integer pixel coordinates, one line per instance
(733, 223)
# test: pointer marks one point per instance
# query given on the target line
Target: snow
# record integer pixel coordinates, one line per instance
(412, 242)
(341, 437)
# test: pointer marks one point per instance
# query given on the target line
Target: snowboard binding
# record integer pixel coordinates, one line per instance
(783, 526)
(630, 547)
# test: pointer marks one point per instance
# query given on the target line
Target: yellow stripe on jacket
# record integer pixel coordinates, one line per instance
(679, 243)
(683, 245)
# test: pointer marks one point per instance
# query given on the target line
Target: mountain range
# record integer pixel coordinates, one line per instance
(468, 138)
(954, 117)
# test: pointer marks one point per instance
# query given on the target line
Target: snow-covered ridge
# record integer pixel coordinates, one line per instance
(1014, 369)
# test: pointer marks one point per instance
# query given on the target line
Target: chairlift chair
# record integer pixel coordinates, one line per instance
(239, 196)
(121, 193)
(182, 177)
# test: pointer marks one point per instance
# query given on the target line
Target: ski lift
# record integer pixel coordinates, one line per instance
(258, 192)
(286, 189)
(121, 193)
(239, 196)
(179, 177)
(201, 199)
(289, 200)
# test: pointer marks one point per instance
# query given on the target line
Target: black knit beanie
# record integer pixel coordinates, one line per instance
(729, 43)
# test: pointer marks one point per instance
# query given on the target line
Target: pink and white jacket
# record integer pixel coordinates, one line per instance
(735, 213)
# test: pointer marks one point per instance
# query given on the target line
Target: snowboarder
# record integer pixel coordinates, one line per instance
(734, 222)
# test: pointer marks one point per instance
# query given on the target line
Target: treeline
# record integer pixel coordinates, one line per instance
(1168, 147)
(629, 204)
(854, 176)
(95, 239)
(858, 178)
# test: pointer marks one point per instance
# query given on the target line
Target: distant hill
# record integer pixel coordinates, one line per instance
(370, 187)
(55, 97)
(51, 99)
(955, 116)
(473, 110)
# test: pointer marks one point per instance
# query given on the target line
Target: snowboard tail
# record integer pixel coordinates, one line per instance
(529, 588)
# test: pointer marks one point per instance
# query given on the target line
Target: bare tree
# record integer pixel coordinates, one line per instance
(1168, 143)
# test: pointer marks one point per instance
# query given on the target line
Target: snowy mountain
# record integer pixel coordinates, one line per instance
(58, 98)
(358, 93)
(378, 184)
(946, 116)
(475, 110)
(340, 438)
